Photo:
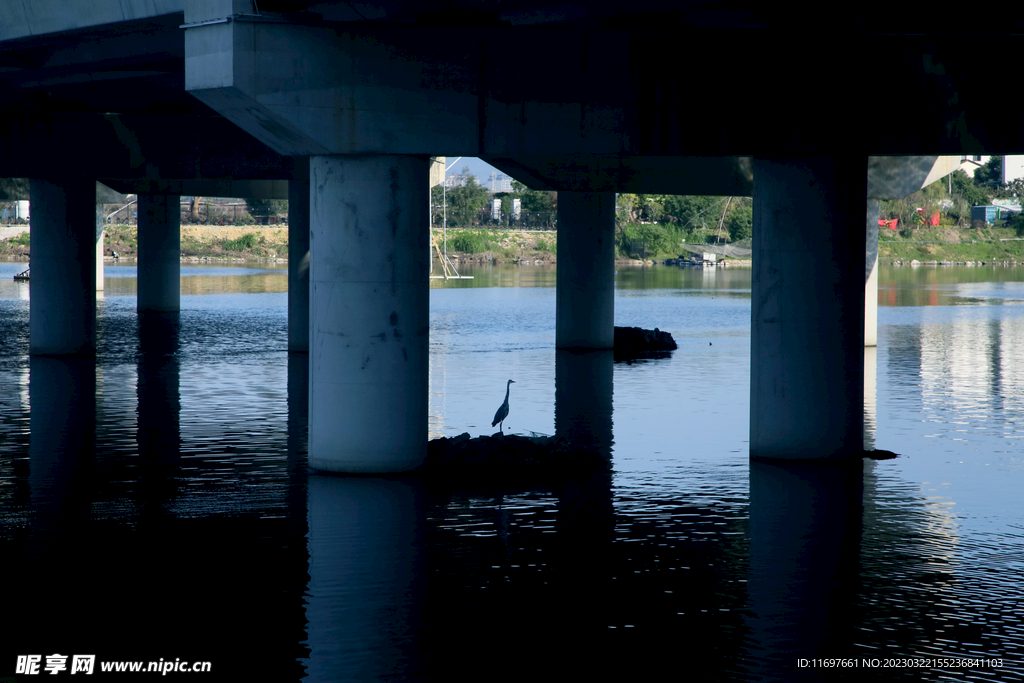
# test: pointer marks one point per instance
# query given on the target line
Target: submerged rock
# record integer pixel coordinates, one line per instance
(636, 342)
(509, 458)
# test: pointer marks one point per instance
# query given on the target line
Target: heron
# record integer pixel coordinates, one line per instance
(499, 417)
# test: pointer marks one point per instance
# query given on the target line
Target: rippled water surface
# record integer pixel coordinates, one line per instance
(155, 502)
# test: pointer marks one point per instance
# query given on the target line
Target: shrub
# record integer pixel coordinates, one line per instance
(243, 243)
(469, 241)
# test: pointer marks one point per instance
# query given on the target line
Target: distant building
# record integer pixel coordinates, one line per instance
(499, 182)
(970, 163)
(1013, 165)
(456, 180)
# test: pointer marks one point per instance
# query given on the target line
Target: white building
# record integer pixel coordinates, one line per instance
(1013, 165)
(499, 182)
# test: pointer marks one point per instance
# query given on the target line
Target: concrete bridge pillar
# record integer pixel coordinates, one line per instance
(871, 276)
(585, 281)
(807, 328)
(159, 253)
(100, 224)
(369, 313)
(298, 262)
(62, 288)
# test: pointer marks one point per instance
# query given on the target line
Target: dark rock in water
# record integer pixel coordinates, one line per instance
(880, 454)
(635, 342)
(508, 459)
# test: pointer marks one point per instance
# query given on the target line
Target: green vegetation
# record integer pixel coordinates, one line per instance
(22, 240)
(464, 204)
(260, 209)
(470, 241)
(244, 243)
(950, 244)
(655, 226)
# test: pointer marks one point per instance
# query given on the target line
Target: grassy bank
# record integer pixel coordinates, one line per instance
(950, 244)
(252, 244)
(498, 245)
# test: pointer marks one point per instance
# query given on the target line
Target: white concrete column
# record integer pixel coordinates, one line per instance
(62, 312)
(585, 278)
(159, 253)
(807, 317)
(298, 262)
(871, 278)
(369, 313)
(99, 247)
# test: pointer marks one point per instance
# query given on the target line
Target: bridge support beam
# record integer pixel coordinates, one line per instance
(585, 281)
(62, 288)
(298, 262)
(159, 252)
(807, 328)
(369, 313)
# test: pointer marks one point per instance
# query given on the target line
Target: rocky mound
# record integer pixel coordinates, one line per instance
(636, 342)
(508, 458)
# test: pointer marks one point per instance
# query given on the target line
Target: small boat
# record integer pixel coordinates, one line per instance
(23, 275)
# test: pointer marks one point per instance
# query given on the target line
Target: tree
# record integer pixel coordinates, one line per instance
(261, 208)
(533, 200)
(967, 190)
(991, 174)
(740, 221)
(466, 202)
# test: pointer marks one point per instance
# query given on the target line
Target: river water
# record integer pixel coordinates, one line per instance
(155, 502)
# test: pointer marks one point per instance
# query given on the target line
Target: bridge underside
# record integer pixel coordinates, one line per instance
(211, 98)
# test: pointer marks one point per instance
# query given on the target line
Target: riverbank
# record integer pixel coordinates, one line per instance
(950, 245)
(212, 243)
(198, 243)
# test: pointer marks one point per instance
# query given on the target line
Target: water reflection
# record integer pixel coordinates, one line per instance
(182, 495)
(159, 408)
(364, 604)
(62, 396)
(805, 529)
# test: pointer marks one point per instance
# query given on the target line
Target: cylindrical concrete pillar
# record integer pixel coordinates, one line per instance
(807, 311)
(62, 312)
(99, 248)
(369, 313)
(298, 261)
(585, 278)
(159, 253)
(871, 276)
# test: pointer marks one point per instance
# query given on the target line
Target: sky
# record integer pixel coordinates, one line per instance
(481, 169)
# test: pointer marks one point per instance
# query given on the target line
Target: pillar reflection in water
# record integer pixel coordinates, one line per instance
(62, 427)
(870, 396)
(365, 596)
(586, 515)
(805, 529)
(159, 408)
(583, 397)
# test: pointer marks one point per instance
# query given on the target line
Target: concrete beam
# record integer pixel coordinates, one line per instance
(312, 87)
(725, 176)
(139, 146)
(14, 189)
(895, 177)
(38, 17)
(249, 189)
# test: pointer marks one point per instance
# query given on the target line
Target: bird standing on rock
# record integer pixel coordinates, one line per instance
(499, 417)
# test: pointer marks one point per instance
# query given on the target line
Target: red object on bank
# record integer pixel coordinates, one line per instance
(891, 224)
